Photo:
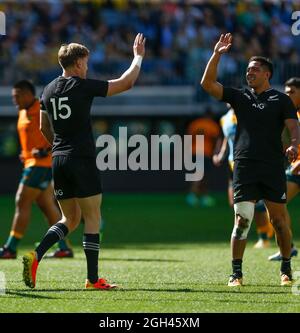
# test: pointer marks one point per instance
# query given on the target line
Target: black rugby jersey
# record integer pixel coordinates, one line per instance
(68, 103)
(260, 122)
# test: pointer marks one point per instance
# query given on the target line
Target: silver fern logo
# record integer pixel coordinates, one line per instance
(2, 24)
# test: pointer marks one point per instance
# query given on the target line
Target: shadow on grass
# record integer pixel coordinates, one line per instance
(204, 291)
(46, 290)
(122, 259)
(184, 290)
(230, 300)
(28, 294)
(161, 244)
(142, 259)
(242, 291)
(35, 294)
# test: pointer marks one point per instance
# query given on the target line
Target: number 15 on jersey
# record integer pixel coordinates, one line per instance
(61, 109)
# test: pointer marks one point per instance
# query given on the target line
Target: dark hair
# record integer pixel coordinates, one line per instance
(69, 53)
(265, 62)
(25, 85)
(293, 81)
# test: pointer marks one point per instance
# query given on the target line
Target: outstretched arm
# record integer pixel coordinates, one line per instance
(127, 80)
(209, 80)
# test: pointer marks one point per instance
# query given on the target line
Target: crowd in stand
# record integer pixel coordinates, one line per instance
(180, 36)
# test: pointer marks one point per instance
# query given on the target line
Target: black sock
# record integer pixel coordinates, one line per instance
(54, 234)
(237, 267)
(286, 266)
(91, 250)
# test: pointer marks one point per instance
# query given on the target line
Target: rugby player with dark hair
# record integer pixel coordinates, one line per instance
(262, 112)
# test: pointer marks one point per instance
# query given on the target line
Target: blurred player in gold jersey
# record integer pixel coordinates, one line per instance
(35, 184)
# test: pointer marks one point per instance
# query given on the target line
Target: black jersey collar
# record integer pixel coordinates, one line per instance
(261, 94)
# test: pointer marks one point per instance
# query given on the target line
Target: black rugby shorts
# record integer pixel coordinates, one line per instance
(75, 177)
(256, 180)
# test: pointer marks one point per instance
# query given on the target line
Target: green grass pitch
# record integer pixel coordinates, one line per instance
(166, 257)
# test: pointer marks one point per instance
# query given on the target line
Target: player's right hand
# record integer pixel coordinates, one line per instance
(223, 44)
(139, 45)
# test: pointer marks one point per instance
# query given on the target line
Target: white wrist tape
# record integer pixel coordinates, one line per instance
(137, 61)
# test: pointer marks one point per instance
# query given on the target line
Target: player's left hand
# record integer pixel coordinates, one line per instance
(139, 45)
(292, 153)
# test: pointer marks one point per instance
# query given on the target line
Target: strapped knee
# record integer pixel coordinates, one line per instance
(245, 210)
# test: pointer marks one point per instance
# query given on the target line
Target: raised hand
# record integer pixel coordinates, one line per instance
(223, 44)
(139, 45)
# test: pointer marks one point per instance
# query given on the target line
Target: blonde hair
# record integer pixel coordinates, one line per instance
(69, 53)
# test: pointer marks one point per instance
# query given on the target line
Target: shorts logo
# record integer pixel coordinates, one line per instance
(58, 192)
(283, 196)
(235, 194)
